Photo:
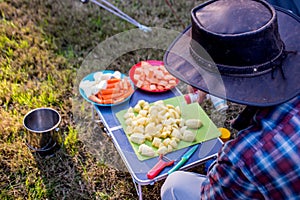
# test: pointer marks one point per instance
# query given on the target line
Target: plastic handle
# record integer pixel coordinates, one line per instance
(160, 165)
(178, 165)
(190, 152)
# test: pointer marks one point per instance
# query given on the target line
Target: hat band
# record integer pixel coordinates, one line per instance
(240, 71)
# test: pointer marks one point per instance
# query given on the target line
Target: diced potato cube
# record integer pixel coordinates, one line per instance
(137, 138)
(170, 148)
(189, 136)
(156, 142)
(193, 123)
(145, 150)
(176, 134)
(162, 150)
(173, 143)
(166, 141)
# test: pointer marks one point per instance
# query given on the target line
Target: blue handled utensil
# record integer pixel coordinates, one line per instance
(184, 158)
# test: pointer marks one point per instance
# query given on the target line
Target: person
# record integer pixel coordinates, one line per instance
(246, 52)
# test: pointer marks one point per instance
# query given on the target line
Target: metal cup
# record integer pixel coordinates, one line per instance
(42, 128)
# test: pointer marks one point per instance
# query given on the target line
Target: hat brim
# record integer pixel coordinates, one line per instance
(264, 90)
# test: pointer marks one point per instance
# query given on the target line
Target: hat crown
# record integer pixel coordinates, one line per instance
(233, 16)
(236, 33)
(245, 51)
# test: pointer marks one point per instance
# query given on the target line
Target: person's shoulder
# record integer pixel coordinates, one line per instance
(266, 123)
(279, 111)
(290, 107)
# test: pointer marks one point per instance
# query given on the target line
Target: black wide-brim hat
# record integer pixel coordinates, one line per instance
(245, 51)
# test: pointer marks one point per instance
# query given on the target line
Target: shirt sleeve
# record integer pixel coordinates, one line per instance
(226, 180)
(262, 161)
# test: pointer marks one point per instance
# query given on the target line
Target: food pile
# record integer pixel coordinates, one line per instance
(107, 88)
(150, 77)
(159, 123)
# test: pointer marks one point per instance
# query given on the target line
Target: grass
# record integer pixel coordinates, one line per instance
(43, 45)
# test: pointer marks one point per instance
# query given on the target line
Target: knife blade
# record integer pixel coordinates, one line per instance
(183, 159)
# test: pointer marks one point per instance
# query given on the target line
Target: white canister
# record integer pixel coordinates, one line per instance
(219, 104)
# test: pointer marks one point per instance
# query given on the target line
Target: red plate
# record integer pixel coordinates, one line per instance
(152, 63)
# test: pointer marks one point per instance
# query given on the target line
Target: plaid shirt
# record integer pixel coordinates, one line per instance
(263, 162)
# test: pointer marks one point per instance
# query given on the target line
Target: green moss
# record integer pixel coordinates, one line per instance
(71, 141)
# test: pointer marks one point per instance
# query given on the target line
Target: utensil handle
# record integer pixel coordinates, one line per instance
(177, 166)
(160, 165)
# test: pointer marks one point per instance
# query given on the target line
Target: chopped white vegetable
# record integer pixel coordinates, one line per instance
(98, 76)
(156, 142)
(137, 138)
(117, 74)
(159, 123)
(162, 150)
(193, 123)
(188, 136)
(145, 150)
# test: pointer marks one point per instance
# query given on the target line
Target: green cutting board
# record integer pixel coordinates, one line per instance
(188, 111)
